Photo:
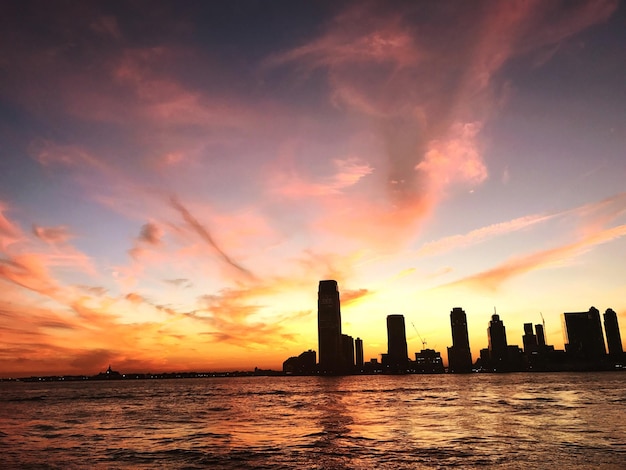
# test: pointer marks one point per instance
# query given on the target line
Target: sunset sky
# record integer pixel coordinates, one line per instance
(176, 177)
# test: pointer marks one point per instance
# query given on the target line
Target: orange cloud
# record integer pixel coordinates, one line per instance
(492, 279)
(30, 272)
(354, 296)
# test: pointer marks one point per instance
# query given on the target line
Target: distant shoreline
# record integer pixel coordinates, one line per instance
(102, 377)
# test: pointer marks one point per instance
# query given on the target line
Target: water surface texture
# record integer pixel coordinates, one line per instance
(359, 422)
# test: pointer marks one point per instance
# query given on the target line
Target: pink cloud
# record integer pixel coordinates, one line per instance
(205, 235)
(107, 26)
(348, 172)
(480, 235)
(453, 159)
(53, 235)
(428, 114)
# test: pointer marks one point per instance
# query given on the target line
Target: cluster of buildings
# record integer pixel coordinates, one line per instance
(341, 354)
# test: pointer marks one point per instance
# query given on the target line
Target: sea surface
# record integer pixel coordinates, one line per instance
(541, 420)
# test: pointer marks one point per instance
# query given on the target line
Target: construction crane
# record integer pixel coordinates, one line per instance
(419, 336)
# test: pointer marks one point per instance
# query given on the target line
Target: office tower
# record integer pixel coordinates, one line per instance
(329, 328)
(459, 354)
(613, 337)
(541, 336)
(496, 334)
(397, 352)
(358, 347)
(347, 352)
(529, 339)
(584, 339)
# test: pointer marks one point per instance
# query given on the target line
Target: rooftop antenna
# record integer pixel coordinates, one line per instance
(419, 336)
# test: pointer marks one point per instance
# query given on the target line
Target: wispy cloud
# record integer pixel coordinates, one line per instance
(54, 235)
(348, 172)
(429, 99)
(391, 110)
(9, 232)
(492, 279)
(206, 236)
(354, 296)
(480, 235)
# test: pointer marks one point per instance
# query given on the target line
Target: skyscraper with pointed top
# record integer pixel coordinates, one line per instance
(496, 334)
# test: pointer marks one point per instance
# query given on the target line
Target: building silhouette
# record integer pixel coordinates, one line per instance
(397, 357)
(347, 353)
(498, 347)
(459, 354)
(428, 361)
(583, 335)
(341, 354)
(303, 364)
(613, 337)
(358, 349)
(541, 336)
(329, 328)
(529, 340)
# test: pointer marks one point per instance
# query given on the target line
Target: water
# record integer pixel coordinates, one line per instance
(575, 421)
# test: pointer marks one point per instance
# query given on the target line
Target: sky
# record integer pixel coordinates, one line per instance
(177, 177)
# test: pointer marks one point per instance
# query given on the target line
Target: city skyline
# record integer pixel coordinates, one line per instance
(340, 354)
(175, 177)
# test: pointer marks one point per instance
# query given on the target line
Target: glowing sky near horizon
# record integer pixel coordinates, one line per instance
(176, 177)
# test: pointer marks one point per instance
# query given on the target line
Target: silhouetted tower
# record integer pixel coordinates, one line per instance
(541, 336)
(459, 354)
(397, 352)
(584, 339)
(347, 351)
(529, 339)
(358, 347)
(496, 333)
(329, 328)
(613, 337)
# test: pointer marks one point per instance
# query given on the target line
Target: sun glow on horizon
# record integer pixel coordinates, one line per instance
(170, 200)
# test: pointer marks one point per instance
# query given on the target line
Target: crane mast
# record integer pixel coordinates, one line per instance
(419, 336)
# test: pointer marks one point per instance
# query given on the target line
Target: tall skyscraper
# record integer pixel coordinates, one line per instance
(529, 339)
(541, 336)
(358, 348)
(347, 353)
(459, 354)
(584, 338)
(397, 351)
(496, 334)
(329, 328)
(613, 337)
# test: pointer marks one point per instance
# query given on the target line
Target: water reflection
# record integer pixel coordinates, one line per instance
(334, 419)
(511, 421)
